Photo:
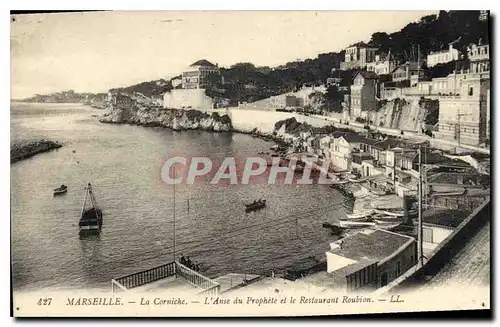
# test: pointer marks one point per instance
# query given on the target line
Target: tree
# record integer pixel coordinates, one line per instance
(317, 101)
(380, 40)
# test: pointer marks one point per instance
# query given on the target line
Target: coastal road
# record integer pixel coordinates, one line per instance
(408, 135)
(321, 120)
(470, 266)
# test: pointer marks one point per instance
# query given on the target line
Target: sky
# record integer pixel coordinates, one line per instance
(96, 51)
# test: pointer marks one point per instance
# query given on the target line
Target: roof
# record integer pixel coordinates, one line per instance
(403, 173)
(367, 75)
(378, 178)
(353, 137)
(409, 155)
(445, 217)
(441, 51)
(362, 154)
(203, 62)
(456, 178)
(389, 143)
(319, 130)
(369, 141)
(377, 245)
(352, 268)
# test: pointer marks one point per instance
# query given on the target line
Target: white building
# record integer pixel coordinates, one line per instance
(370, 259)
(463, 118)
(187, 99)
(358, 56)
(479, 57)
(176, 81)
(363, 93)
(197, 74)
(341, 150)
(442, 57)
(381, 66)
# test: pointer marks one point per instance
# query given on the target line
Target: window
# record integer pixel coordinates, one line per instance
(398, 269)
(471, 90)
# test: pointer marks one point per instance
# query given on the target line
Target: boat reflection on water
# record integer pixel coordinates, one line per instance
(90, 235)
(91, 245)
(91, 261)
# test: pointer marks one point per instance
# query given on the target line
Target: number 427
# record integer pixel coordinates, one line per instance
(44, 301)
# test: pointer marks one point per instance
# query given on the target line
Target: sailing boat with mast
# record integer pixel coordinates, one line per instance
(91, 217)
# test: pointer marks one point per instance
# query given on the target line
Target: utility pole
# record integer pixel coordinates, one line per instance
(175, 176)
(420, 225)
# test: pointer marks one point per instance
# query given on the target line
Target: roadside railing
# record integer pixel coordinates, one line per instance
(144, 277)
(208, 286)
(212, 291)
(196, 279)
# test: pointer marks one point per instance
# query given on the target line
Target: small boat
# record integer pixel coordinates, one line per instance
(381, 219)
(356, 224)
(357, 180)
(256, 205)
(340, 182)
(60, 190)
(398, 213)
(387, 225)
(363, 216)
(91, 218)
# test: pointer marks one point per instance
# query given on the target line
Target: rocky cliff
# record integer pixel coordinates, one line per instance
(407, 114)
(175, 119)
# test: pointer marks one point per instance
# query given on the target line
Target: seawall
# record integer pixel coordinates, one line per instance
(216, 120)
(262, 121)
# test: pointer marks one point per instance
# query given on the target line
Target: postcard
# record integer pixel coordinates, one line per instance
(249, 163)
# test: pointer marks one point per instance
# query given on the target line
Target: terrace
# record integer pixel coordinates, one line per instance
(173, 276)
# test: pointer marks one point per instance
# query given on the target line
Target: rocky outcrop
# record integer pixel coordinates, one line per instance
(407, 114)
(24, 150)
(175, 119)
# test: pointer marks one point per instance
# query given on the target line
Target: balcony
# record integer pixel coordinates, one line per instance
(172, 276)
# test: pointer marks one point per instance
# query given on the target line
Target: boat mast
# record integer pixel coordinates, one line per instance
(92, 197)
(84, 201)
